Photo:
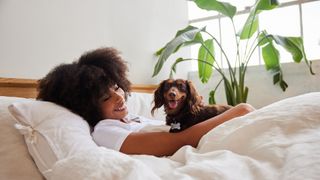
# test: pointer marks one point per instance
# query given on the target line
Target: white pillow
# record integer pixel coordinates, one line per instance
(51, 132)
(142, 103)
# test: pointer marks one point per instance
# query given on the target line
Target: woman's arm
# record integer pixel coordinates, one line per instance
(165, 143)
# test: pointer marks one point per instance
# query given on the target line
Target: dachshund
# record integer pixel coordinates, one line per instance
(183, 105)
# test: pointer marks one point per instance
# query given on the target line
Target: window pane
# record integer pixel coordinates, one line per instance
(311, 29)
(229, 43)
(285, 1)
(282, 21)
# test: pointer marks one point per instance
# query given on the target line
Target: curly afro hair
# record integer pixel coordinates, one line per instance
(80, 85)
(109, 60)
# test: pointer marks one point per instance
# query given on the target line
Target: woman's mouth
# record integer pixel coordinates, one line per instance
(122, 108)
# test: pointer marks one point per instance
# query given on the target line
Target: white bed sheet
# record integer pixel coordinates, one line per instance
(280, 141)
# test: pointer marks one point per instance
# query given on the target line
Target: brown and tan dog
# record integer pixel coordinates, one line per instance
(183, 105)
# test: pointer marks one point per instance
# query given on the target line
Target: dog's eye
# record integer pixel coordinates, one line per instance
(182, 87)
(166, 87)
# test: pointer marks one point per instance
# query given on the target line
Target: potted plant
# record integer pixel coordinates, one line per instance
(234, 78)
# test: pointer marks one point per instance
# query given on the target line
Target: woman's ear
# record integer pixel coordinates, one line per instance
(158, 99)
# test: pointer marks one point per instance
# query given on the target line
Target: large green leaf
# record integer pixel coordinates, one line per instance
(266, 4)
(252, 22)
(270, 56)
(197, 39)
(182, 31)
(222, 7)
(187, 35)
(292, 44)
(278, 78)
(250, 27)
(264, 38)
(205, 69)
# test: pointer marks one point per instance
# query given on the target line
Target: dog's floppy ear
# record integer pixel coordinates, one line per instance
(194, 100)
(158, 97)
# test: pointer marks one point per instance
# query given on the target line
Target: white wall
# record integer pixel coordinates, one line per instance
(36, 35)
(261, 89)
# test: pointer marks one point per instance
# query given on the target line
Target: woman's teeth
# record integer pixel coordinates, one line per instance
(121, 108)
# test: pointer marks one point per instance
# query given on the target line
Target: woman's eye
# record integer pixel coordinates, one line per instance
(116, 87)
(105, 98)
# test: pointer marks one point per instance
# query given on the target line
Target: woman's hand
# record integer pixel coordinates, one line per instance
(194, 133)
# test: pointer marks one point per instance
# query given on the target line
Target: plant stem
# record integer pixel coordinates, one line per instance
(225, 55)
(251, 50)
(247, 43)
(232, 88)
(246, 63)
(218, 84)
(237, 43)
(232, 74)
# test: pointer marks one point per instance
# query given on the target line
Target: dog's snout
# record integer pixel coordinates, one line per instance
(172, 94)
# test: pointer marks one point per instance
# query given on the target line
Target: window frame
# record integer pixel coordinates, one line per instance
(218, 17)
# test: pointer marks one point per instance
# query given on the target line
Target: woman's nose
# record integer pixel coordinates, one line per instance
(119, 96)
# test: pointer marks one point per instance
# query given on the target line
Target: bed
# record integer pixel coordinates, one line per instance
(278, 141)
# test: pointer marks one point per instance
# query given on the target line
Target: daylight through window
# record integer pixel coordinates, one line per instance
(291, 18)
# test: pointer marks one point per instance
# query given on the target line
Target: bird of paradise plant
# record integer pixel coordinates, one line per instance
(234, 78)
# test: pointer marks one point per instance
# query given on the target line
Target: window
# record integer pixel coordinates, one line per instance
(298, 16)
(279, 22)
(311, 29)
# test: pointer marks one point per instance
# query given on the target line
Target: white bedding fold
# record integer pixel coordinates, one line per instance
(280, 141)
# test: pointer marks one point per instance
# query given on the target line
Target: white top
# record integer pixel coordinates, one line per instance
(111, 133)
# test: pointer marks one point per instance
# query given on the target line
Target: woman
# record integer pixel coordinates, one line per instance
(96, 87)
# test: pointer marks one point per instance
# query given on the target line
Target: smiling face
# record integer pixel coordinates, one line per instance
(113, 104)
(175, 94)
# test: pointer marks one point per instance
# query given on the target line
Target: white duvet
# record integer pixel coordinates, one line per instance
(280, 141)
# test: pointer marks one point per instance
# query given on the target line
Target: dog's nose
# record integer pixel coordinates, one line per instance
(172, 94)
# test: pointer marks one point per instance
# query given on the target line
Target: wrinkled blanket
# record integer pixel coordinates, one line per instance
(279, 141)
